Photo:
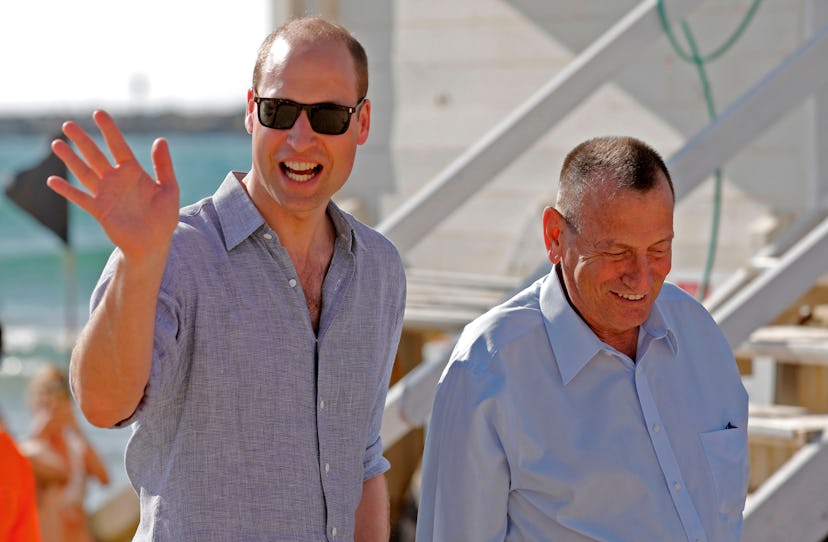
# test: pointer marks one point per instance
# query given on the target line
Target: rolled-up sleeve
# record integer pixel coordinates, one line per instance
(465, 478)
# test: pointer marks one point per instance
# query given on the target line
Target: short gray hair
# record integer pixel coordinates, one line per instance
(627, 162)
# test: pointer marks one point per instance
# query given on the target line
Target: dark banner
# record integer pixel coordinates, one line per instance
(29, 191)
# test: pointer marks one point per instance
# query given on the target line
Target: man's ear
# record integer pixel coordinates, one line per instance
(250, 112)
(553, 227)
(363, 117)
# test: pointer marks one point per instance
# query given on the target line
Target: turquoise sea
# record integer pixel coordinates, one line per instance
(44, 289)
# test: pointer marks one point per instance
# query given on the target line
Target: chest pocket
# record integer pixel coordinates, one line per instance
(727, 456)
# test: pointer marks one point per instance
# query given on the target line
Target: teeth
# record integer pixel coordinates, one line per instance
(631, 297)
(300, 171)
(299, 178)
(301, 166)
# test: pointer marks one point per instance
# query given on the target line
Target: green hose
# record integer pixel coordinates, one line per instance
(699, 61)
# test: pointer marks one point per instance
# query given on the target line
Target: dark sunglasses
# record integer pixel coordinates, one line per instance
(325, 118)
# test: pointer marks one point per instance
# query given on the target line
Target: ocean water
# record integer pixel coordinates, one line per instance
(44, 288)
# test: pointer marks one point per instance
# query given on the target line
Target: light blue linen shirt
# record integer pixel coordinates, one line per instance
(542, 432)
(253, 427)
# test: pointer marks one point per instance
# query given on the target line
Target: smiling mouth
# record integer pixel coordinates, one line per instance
(631, 297)
(300, 171)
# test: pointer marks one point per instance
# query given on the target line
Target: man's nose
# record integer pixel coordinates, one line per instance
(301, 134)
(638, 275)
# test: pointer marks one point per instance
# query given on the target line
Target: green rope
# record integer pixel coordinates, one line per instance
(699, 61)
(717, 185)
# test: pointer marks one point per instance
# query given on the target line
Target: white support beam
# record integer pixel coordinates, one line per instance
(773, 290)
(409, 401)
(793, 503)
(765, 258)
(478, 165)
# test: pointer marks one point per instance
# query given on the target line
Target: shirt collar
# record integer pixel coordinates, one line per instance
(571, 339)
(657, 327)
(343, 227)
(239, 217)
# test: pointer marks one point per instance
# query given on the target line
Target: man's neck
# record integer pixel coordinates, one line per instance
(626, 343)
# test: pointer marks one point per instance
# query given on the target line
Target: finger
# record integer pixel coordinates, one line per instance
(72, 193)
(114, 138)
(85, 175)
(94, 156)
(162, 163)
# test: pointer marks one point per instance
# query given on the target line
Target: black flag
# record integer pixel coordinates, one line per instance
(29, 191)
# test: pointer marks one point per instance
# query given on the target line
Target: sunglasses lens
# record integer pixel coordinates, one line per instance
(278, 115)
(329, 120)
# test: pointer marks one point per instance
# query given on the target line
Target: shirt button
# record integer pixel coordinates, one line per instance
(327, 468)
(677, 486)
(333, 531)
(267, 236)
(322, 404)
(292, 283)
(656, 428)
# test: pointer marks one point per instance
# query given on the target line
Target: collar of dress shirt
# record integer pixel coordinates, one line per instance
(573, 343)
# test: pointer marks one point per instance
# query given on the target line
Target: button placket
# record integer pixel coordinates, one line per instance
(666, 457)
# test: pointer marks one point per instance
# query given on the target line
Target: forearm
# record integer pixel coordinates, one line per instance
(111, 362)
(372, 514)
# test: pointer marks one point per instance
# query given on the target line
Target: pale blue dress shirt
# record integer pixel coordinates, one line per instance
(253, 427)
(542, 432)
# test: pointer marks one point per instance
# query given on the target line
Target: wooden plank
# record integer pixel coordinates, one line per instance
(447, 301)
(791, 344)
(452, 278)
(775, 435)
(801, 355)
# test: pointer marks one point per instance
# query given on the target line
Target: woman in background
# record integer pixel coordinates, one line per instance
(62, 459)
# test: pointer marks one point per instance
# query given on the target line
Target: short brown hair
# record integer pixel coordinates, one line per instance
(315, 29)
(628, 162)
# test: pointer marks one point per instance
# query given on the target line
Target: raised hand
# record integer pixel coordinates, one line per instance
(138, 212)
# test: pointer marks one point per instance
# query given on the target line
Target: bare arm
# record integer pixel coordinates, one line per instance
(93, 463)
(372, 515)
(111, 362)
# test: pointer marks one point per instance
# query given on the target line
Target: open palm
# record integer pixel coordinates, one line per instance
(138, 212)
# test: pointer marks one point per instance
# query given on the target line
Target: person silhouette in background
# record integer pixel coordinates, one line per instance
(18, 508)
(61, 457)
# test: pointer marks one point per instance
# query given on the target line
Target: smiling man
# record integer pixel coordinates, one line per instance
(601, 403)
(248, 338)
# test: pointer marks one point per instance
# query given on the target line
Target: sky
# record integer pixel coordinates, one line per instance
(74, 55)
